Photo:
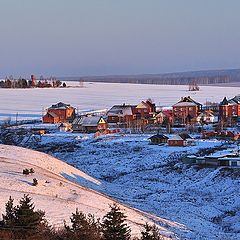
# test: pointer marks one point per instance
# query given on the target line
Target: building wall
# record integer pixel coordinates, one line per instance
(176, 143)
(49, 119)
(181, 112)
(226, 111)
(64, 114)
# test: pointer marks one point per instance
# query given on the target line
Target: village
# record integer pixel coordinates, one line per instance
(182, 125)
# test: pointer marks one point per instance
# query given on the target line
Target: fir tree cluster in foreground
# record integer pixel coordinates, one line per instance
(24, 222)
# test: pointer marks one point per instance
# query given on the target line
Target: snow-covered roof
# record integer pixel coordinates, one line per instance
(87, 121)
(159, 136)
(142, 105)
(184, 104)
(54, 115)
(60, 105)
(175, 137)
(121, 110)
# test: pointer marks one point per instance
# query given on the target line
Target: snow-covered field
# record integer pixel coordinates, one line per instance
(55, 194)
(154, 179)
(31, 103)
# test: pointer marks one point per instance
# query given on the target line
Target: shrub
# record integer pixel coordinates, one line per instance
(25, 171)
(35, 182)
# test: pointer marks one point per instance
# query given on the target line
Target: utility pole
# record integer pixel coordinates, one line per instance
(16, 117)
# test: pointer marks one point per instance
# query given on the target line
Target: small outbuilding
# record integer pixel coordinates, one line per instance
(89, 124)
(180, 140)
(158, 139)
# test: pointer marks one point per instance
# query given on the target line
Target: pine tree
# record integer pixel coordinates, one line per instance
(83, 227)
(150, 233)
(26, 217)
(9, 217)
(114, 226)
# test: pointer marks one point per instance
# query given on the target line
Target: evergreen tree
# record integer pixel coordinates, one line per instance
(9, 217)
(26, 218)
(150, 233)
(83, 227)
(114, 226)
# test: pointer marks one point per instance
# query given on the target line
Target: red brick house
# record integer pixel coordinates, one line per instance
(186, 110)
(145, 110)
(121, 115)
(59, 112)
(229, 109)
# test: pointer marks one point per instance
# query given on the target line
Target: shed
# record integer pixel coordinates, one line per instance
(89, 124)
(158, 139)
(180, 140)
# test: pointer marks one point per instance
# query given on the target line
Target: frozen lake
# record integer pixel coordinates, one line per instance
(31, 103)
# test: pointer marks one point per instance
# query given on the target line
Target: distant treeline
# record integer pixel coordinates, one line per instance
(183, 78)
(24, 83)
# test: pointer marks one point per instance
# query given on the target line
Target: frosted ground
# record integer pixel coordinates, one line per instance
(55, 194)
(151, 178)
(29, 103)
(154, 179)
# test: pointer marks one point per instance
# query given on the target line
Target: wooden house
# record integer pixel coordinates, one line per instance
(180, 140)
(158, 139)
(89, 124)
(186, 110)
(59, 112)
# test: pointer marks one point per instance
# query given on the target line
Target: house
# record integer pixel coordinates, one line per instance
(89, 124)
(207, 117)
(158, 139)
(186, 110)
(59, 112)
(121, 115)
(145, 110)
(229, 110)
(163, 117)
(51, 117)
(180, 140)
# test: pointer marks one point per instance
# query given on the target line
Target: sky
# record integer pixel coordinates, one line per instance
(104, 37)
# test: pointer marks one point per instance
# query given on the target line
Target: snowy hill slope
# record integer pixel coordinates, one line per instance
(56, 195)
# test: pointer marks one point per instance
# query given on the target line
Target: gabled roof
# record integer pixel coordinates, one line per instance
(87, 121)
(182, 136)
(60, 105)
(175, 137)
(224, 102)
(142, 105)
(158, 136)
(160, 114)
(185, 136)
(52, 114)
(236, 99)
(121, 110)
(187, 101)
(150, 104)
(207, 113)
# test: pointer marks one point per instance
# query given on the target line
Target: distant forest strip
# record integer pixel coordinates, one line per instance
(200, 77)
